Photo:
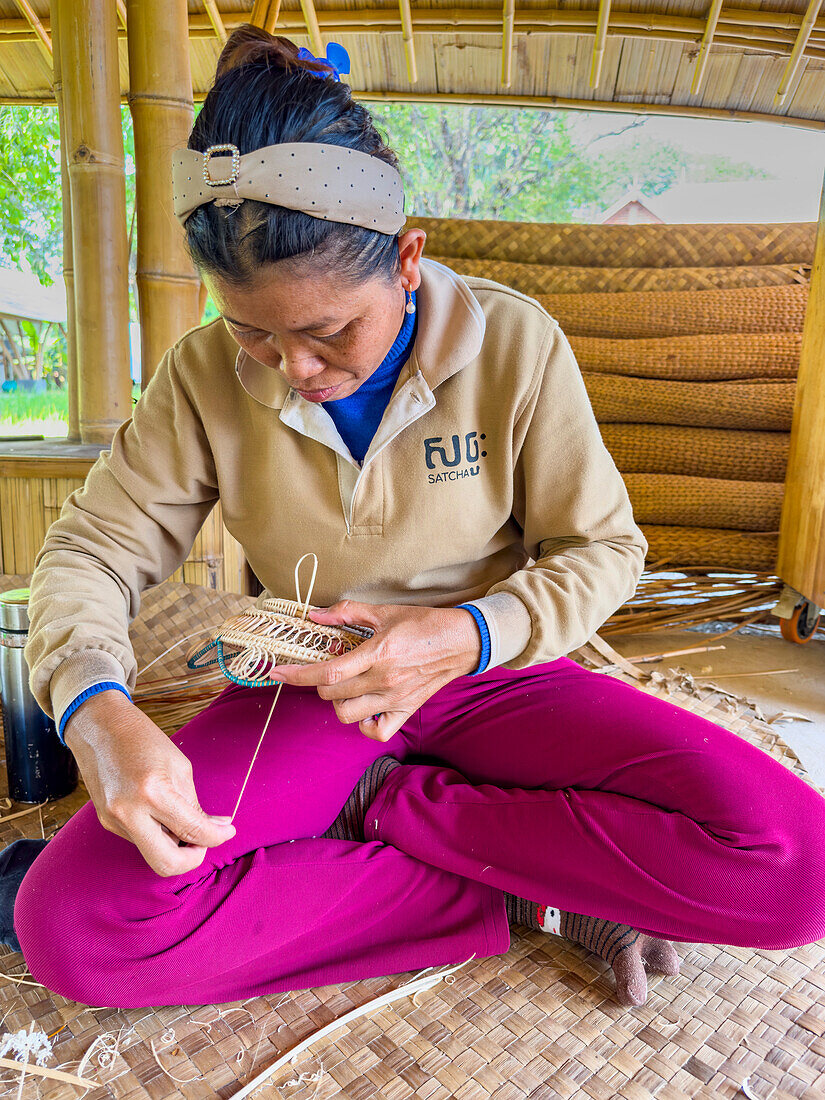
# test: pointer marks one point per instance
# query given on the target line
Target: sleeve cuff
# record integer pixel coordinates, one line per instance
(509, 625)
(485, 637)
(95, 689)
(82, 670)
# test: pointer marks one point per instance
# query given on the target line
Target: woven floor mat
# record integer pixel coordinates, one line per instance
(540, 1021)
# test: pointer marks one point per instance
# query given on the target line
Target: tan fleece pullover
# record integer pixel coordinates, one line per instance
(487, 480)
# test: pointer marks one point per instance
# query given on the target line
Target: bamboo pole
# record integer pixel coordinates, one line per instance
(768, 32)
(36, 25)
(601, 39)
(798, 52)
(313, 30)
(409, 42)
(507, 43)
(94, 152)
(731, 21)
(272, 16)
(121, 13)
(704, 49)
(73, 434)
(160, 98)
(801, 554)
(667, 110)
(215, 18)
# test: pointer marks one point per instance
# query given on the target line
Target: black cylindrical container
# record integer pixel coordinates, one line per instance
(40, 768)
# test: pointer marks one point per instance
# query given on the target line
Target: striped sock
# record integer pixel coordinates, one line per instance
(349, 824)
(604, 938)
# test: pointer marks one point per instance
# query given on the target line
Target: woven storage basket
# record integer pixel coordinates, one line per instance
(751, 309)
(764, 406)
(536, 279)
(698, 452)
(699, 358)
(705, 502)
(620, 245)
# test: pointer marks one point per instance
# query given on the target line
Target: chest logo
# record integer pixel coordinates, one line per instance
(457, 458)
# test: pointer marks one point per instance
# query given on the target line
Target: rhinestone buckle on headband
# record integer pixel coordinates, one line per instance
(236, 164)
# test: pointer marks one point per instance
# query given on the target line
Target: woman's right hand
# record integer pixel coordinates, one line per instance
(141, 784)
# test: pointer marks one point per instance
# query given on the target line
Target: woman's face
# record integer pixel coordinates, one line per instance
(325, 337)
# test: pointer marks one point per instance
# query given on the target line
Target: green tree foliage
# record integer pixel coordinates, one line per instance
(529, 164)
(31, 229)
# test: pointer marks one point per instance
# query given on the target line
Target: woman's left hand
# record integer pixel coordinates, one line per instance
(413, 653)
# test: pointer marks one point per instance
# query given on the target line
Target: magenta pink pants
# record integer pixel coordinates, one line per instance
(555, 783)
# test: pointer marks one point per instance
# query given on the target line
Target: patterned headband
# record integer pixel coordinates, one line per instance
(326, 181)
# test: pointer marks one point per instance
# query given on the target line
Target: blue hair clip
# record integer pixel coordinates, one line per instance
(337, 58)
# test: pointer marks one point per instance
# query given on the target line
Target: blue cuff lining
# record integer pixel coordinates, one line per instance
(105, 685)
(481, 623)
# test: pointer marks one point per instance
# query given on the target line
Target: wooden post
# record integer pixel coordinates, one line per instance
(801, 558)
(68, 262)
(160, 98)
(94, 151)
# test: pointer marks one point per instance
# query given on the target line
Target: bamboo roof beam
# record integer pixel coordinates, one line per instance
(507, 42)
(33, 19)
(121, 12)
(272, 16)
(770, 32)
(216, 19)
(409, 43)
(265, 14)
(704, 49)
(313, 30)
(797, 57)
(601, 39)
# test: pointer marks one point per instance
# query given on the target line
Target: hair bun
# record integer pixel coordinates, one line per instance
(251, 45)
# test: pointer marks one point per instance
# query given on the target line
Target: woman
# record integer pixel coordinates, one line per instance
(430, 438)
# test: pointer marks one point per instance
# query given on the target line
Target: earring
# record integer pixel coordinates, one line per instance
(410, 306)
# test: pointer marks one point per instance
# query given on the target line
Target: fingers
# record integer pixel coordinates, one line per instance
(190, 824)
(348, 613)
(161, 851)
(333, 671)
(383, 726)
(358, 709)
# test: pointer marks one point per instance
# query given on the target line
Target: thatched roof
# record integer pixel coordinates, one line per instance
(636, 55)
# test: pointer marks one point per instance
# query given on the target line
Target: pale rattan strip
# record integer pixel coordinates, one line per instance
(674, 500)
(540, 1020)
(696, 358)
(698, 452)
(535, 279)
(679, 313)
(762, 406)
(619, 245)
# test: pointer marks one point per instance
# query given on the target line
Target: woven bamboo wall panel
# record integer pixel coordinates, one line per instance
(712, 547)
(676, 500)
(698, 452)
(679, 313)
(765, 406)
(619, 245)
(700, 358)
(535, 279)
(29, 505)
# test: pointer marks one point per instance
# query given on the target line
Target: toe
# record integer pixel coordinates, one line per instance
(631, 981)
(661, 955)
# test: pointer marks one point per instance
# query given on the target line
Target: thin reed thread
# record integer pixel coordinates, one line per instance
(278, 692)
